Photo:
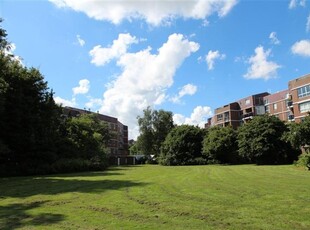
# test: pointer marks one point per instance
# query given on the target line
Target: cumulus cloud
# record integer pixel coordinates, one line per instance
(153, 12)
(273, 38)
(83, 87)
(294, 3)
(94, 102)
(212, 56)
(188, 89)
(101, 56)
(199, 117)
(302, 48)
(80, 41)
(64, 102)
(144, 79)
(260, 66)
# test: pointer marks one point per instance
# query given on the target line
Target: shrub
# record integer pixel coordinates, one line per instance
(220, 145)
(181, 146)
(304, 160)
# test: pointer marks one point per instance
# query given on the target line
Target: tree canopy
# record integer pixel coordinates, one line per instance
(154, 126)
(261, 141)
(182, 146)
(220, 145)
(35, 137)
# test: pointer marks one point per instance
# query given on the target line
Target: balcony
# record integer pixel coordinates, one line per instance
(247, 116)
(291, 118)
(290, 104)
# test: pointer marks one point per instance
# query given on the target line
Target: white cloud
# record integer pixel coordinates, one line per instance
(260, 66)
(144, 79)
(273, 38)
(198, 117)
(10, 53)
(83, 87)
(212, 56)
(294, 3)
(302, 3)
(153, 12)
(188, 89)
(101, 56)
(80, 40)
(302, 48)
(64, 102)
(308, 24)
(94, 102)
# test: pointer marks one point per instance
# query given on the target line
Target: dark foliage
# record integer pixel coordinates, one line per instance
(182, 146)
(220, 146)
(35, 138)
(261, 141)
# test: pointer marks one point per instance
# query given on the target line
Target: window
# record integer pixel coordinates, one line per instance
(267, 109)
(266, 101)
(220, 117)
(226, 116)
(304, 107)
(304, 91)
(275, 106)
(247, 101)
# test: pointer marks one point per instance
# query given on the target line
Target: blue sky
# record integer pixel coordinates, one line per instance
(188, 57)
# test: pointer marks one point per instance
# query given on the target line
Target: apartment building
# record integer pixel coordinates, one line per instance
(239, 112)
(289, 105)
(118, 145)
(277, 104)
(299, 97)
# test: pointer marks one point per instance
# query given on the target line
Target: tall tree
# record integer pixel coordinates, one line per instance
(261, 141)
(220, 145)
(146, 137)
(154, 126)
(29, 115)
(299, 133)
(182, 146)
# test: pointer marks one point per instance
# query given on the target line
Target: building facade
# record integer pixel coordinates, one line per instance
(289, 105)
(299, 97)
(118, 144)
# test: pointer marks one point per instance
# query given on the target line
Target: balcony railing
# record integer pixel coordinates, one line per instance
(290, 104)
(291, 117)
(247, 115)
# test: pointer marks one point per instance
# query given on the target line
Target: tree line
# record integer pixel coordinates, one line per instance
(35, 136)
(264, 140)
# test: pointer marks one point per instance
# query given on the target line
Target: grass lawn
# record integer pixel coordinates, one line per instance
(158, 197)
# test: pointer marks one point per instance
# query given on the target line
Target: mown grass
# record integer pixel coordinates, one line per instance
(157, 197)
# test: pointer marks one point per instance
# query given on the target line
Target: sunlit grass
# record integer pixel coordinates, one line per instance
(157, 197)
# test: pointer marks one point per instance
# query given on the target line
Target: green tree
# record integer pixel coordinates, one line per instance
(88, 136)
(299, 133)
(154, 126)
(4, 44)
(29, 116)
(182, 146)
(146, 138)
(260, 141)
(220, 145)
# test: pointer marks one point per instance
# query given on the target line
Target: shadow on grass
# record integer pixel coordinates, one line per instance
(14, 216)
(30, 186)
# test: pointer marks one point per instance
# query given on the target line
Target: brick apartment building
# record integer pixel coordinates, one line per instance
(118, 145)
(299, 97)
(291, 104)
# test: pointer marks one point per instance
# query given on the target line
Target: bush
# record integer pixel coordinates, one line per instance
(220, 146)
(182, 146)
(304, 160)
(261, 141)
